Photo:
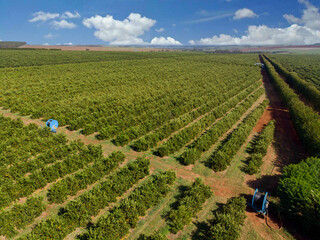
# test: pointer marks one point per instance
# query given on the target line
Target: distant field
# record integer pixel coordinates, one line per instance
(306, 66)
(29, 57)
(93, 48)
(313, 49)
(127, 90)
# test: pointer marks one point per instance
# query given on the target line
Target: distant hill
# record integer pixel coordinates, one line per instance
(11, 44)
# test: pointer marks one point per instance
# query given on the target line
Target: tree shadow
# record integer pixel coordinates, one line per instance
(266, 183)
(203, 228)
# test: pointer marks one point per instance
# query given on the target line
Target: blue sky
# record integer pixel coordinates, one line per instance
(161, 22)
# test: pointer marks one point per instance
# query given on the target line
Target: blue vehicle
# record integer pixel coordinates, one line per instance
(52, 124)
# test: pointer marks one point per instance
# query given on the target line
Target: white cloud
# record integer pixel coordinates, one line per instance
(244, 13)
(310, 16)
(119, 32)
(49, 36)
(68, 44)
(63, 24)
(221, 16)
(165, 41)
(263, 35)
(160, 30)
(292, 19)
(45, 44)
(304, 30)
(174, 25)
(68, 14)
(43, 17)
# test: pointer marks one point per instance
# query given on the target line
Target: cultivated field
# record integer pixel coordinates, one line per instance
(306, 66)
(169, 144)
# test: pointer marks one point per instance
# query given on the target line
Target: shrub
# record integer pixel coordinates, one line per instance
(259, 148)
(299, 192)
(226, 222)
(190, 156)
(188, 205)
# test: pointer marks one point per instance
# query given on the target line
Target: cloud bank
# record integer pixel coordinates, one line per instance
(119, 32)
(165, 41)
(127, 31)
(304, 30)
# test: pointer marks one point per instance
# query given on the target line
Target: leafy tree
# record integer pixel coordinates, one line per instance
(299, 192)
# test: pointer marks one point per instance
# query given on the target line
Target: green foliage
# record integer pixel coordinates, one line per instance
(150, 140)
(115, 98)
(206, 140)
(188, 205)
(307, 89)
(77, 212)
(155, 236)
(259, 148)
(70, 185)
(20, 216)
(190, 156)
(299, 192)
(24, 186)
(222, 157)
(226, 222)
(180, 139)
(306, 121)
(306, 67)
(121, 218)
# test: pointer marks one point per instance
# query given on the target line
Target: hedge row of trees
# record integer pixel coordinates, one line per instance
(180, 139)
(20, 168)
(25, 186)
(20, 215)
(226, 222)
(211, 136)
(151, 140)
(307, 66)
(19, 143)
(78, 212)
(259, 148)
(39, 57)
(307, 89)
(125, 216)
(188, 204)
(222, 157)
(108, 97)
(70, 185)
(299, 192)
(306, 121)
(177, 123)
(160, 113)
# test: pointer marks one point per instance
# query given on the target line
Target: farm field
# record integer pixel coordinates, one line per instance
(168, 143)
(306, 66)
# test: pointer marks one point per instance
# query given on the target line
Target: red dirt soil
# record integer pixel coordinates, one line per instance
(286, 149)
